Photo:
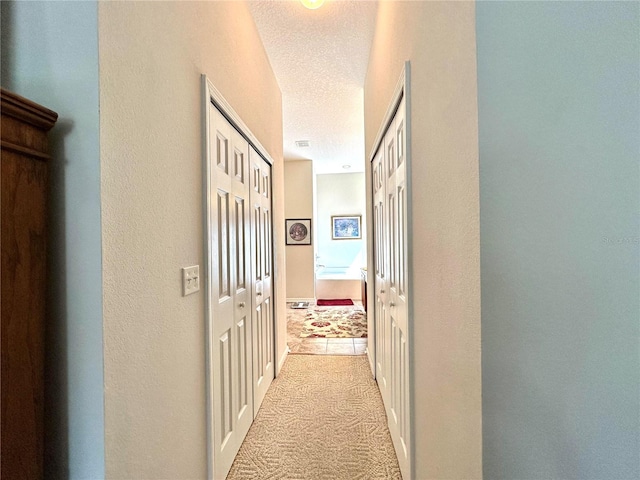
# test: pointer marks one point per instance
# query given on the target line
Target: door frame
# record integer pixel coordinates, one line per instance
(212, 96)
(402, 90)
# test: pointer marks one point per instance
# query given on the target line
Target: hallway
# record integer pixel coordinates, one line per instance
(322, 418)
(524, 226)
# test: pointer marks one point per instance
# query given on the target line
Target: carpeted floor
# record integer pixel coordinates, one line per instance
(322, 419)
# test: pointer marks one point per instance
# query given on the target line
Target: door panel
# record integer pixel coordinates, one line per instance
(261, 244)
(241, 259)
(390, 253)
(231, 357)
(225, 374)
(224, 248)
(380, 269)
(401, 227)
(243, 408)
(244, 364)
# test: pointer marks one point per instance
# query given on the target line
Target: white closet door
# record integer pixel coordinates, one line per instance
(398, 307)
(389, 182)
(381, 260)
(262, 277)
(231, 363)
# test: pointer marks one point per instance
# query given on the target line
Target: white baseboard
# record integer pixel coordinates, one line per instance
(296, 300)
(282, 359)
(339, 289)
(371, 365)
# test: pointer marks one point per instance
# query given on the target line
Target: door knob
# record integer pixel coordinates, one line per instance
(259, 294)
(382, 290)
(391, 304)
(241, 304)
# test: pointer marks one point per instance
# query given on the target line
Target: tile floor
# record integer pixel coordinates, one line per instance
(320, 346)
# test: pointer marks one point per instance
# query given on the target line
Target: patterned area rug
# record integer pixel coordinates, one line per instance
(334, 323)
(322, 419)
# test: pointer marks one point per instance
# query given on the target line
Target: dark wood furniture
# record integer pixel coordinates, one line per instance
(23, 243)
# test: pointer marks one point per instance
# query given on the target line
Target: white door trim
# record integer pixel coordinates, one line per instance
(211, 93)
(402, 89)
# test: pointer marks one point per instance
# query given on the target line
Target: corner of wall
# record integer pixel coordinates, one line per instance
(298, 203)
(41, 43)
(438, 38)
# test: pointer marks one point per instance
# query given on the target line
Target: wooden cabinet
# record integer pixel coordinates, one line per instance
(23, 244)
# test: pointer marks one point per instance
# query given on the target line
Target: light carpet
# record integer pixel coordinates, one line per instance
(322, 419)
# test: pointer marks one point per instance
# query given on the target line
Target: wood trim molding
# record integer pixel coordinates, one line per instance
(29, 152)
(29, 112)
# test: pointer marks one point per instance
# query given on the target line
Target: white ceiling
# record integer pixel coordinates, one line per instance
(320, 60)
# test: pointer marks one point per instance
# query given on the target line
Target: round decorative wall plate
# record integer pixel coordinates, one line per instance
(298, 232)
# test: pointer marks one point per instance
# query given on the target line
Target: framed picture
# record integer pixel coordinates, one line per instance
(298, 231)
(346, 227)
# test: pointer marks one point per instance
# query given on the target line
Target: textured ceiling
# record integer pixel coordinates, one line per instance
(320, 60)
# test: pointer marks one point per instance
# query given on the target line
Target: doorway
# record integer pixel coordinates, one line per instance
(240, 316)
(333, 321)
(340, 234)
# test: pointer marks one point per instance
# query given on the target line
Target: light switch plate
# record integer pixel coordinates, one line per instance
(190, 280)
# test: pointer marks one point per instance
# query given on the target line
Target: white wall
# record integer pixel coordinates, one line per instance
(298, 192)
(439, 40)
(340, 194)
(151, 58)
(559, 110)
(50, 55)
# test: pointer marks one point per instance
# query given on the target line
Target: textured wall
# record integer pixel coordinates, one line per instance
(50, 55)
(340, 194)
(151, 58)
(439, 40)
(298, 191)
(559, 109)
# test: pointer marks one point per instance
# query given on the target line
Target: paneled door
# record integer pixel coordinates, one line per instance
(230, 291)
(397, 328)
(381, 246)
(239, 253)
(390, 244)
(262, 324)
